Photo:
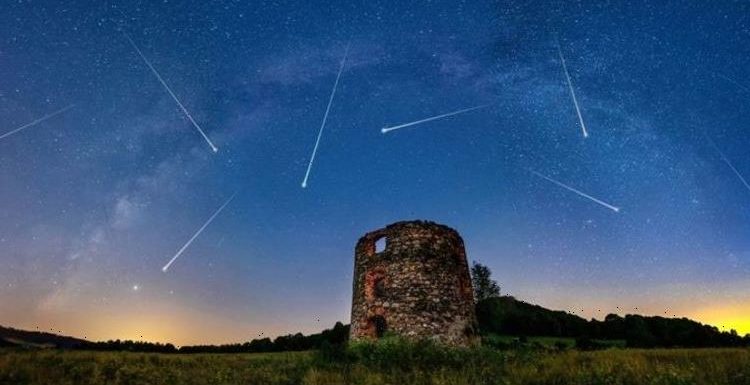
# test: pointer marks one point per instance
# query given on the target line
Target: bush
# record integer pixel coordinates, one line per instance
(398, 353)
(333, 353)
(585, 343)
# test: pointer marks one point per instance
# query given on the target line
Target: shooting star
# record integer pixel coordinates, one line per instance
(172, 94)
(605, 204)
(727, 161)
(572, 91)
(325, 117)
(37, 121)
(197, 233)
(388, 129)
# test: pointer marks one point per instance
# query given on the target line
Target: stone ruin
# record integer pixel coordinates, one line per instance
(412, 279)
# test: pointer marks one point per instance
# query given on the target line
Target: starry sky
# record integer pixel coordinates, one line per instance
(109, 179)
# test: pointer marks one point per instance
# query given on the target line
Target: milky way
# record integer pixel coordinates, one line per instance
(96, 199)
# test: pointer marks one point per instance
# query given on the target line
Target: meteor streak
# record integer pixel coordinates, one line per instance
(727, 161)
(572, 92)
(605, 204)
(325, 117)
(172, 94)
(387, 129)
(37, 121)
(197, 233)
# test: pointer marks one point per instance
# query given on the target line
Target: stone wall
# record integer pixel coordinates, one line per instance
(418, 286)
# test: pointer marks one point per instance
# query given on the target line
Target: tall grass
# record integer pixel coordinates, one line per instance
(388, 362)
(124, 368)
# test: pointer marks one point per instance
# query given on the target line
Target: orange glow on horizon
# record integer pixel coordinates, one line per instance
(725, 317)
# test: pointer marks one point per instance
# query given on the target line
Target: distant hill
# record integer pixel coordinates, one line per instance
(505, 316)
(509, 316)
(16, 337)
(337, 335)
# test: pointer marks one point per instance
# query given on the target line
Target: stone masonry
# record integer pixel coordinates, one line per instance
(417, 287)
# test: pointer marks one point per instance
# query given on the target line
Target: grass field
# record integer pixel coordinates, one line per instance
(380, 365)
(549, 342)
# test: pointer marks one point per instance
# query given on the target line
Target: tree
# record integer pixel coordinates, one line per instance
(484, 286)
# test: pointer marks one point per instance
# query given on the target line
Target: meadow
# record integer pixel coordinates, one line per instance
(514, 342)
(385, 363)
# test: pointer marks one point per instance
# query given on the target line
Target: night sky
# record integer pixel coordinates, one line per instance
(95, 199)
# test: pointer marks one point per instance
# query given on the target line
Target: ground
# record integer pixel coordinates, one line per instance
(387, 366)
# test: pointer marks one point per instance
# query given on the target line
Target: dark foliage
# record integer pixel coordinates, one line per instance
(496, 315)
(482, 282)
(586, 343)
(397, 354)
(292, 342)
(128, 346)
(649, 332)
(507, 316)
(41, 338)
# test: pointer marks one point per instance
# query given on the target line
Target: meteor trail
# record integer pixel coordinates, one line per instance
(727, 161)
(197, 233)
(605, 204)
(387, 129)
(572, 92)
(172, 94)
(325, 117)
(37, 121)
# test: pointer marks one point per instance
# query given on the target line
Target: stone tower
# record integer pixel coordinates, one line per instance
(412, 279)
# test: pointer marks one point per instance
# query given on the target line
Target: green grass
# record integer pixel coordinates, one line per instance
(384, 363)
(548, 342)
(544, 341)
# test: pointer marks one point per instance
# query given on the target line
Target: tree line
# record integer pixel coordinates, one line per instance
(291, 342)
(508, 316)
(496, 314)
